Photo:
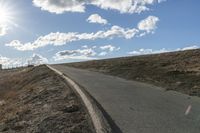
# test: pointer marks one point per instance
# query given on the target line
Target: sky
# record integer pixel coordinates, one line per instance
(58, 31)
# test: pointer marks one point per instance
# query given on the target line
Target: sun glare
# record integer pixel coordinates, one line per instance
(6, 15)
(3, 16)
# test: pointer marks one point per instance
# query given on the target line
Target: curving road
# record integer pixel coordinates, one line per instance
(137, 107)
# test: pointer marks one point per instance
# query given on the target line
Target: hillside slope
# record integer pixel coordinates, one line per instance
(179, 71)
(36, 100)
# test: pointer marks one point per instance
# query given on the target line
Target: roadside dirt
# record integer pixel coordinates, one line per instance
(179, 71)
(36, 100)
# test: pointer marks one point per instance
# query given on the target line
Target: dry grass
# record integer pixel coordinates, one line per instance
(36, 100)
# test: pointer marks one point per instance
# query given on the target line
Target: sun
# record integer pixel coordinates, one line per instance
(7, 13)
(5, 16)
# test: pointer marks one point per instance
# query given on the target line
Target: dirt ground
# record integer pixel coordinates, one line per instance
(179, 71)
(36, 100)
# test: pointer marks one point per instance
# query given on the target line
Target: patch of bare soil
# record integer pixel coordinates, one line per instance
(179, 71)
(36, 100)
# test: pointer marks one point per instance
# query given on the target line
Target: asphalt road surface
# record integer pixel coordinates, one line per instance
(137, 107)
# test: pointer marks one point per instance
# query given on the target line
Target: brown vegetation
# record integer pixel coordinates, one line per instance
(36, 100)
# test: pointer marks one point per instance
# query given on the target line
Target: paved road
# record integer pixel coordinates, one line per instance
(139, 108)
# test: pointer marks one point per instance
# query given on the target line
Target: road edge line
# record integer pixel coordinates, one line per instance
(98, 119)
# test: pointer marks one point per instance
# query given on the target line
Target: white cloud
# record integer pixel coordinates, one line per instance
(3, 30)
(159, 1)
(64, 38)
(37, 59)
(5, 61)
(188, 48)
(106, 49)
(117, 31)
(149, 24)
(60, 6)
(147, 51)
(56, 39)
(94, 47)
(163, 50)
(22, 47)
(81, 54)
(96, 18)
(85, 46)
(110, 48)
(123, 6)
(86, 53)
(104, 53)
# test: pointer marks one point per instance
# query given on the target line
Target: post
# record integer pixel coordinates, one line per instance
(1, 67)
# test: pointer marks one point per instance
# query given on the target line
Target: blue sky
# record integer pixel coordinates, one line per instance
(57, 31)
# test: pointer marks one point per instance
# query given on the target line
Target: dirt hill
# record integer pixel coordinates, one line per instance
(36, 100)
(179, 71)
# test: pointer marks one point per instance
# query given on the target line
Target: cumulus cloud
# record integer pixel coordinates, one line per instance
(147, 51)
(159, 1)
(104, 53)
(85, 46)
(106, 49)
(163, 50)
(110, 48)
(123, 6)
(188, 48)
(37, 59)
(4, 60)
(64, 38)
(60, 6)
(81, 54)
(96, 18)
(22, 47)
(3, 30)
(10, 62)
(149, 24)
(86, 52)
